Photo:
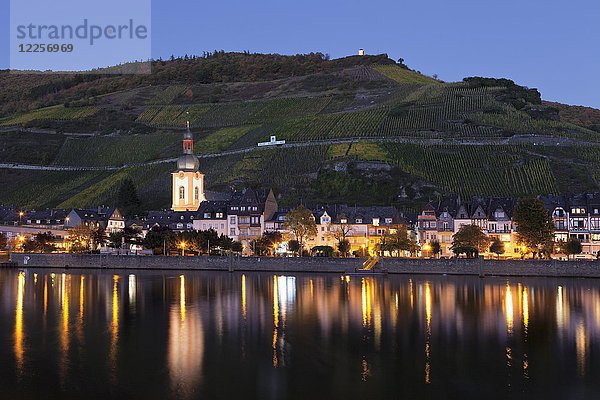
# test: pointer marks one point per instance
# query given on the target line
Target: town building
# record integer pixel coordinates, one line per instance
(212, 215)
(109, 218)
(363, 227)
(248, 213)
(576, 217)
(439, 221)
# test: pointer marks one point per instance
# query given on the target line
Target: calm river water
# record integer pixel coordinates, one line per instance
(209, 335)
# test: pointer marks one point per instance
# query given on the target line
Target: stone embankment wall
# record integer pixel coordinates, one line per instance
(85, 261)
(585, 269)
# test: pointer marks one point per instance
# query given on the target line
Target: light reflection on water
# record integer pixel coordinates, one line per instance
(203, 335)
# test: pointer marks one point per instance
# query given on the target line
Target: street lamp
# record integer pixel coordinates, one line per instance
(182, 245)
(426, 247)
(21, 239)
(21, 214)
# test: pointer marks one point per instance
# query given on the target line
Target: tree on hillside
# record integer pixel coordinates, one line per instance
(497, 247)
(470, 240)
(533, 225)
(301, 223)
(127, 198)
(572, 247)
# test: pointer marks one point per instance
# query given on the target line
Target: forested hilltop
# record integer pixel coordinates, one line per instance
(360, 129)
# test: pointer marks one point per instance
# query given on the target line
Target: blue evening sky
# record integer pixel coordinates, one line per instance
(548, 44)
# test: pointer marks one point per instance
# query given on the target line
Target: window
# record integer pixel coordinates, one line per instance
(181, 193)
(206, 215)
(255, 220)
(196, 193)
(231, 231)
(359, 220)
(388, 220)
(243, 208)
(375, 221)
(322, 229)
(344, 221)
(254, 208)
(219, 215)
(325, 220)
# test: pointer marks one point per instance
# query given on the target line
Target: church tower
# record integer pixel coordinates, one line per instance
(188, 181)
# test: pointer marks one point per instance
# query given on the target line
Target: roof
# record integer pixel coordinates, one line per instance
(365, 214)
(95, 214)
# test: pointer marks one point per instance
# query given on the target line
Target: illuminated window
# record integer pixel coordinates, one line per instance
(181, 193)
(196, 193)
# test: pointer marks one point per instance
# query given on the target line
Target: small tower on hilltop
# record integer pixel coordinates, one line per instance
(188, 181)
(361, 52)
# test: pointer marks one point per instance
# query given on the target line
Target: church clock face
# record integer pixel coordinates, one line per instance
(181, 174)
(197, 175)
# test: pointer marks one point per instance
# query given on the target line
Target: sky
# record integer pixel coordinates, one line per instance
(547, 44)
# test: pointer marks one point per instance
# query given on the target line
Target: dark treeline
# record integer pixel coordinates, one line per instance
(25, 92)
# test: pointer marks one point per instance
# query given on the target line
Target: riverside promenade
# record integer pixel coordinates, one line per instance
(549, 268)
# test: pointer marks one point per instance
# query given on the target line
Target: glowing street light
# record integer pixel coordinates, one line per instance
(426, 247)
(182, 245)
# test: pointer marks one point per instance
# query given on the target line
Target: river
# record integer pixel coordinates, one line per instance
(212, 335)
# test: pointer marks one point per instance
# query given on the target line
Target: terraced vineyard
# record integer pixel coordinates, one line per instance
(29, 148)
(33, 189)
(303, 100)
(222, 139)
(117, 151)
(402, 75)
(472, 170)
(56, 113)
(167, 95)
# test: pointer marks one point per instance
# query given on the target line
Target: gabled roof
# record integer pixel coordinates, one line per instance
(354, 213)
(96, 214)
(251, 197)
(212, 208)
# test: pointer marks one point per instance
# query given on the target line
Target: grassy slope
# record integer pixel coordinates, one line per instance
(357, 102)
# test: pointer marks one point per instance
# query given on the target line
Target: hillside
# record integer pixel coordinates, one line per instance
(359, 130)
